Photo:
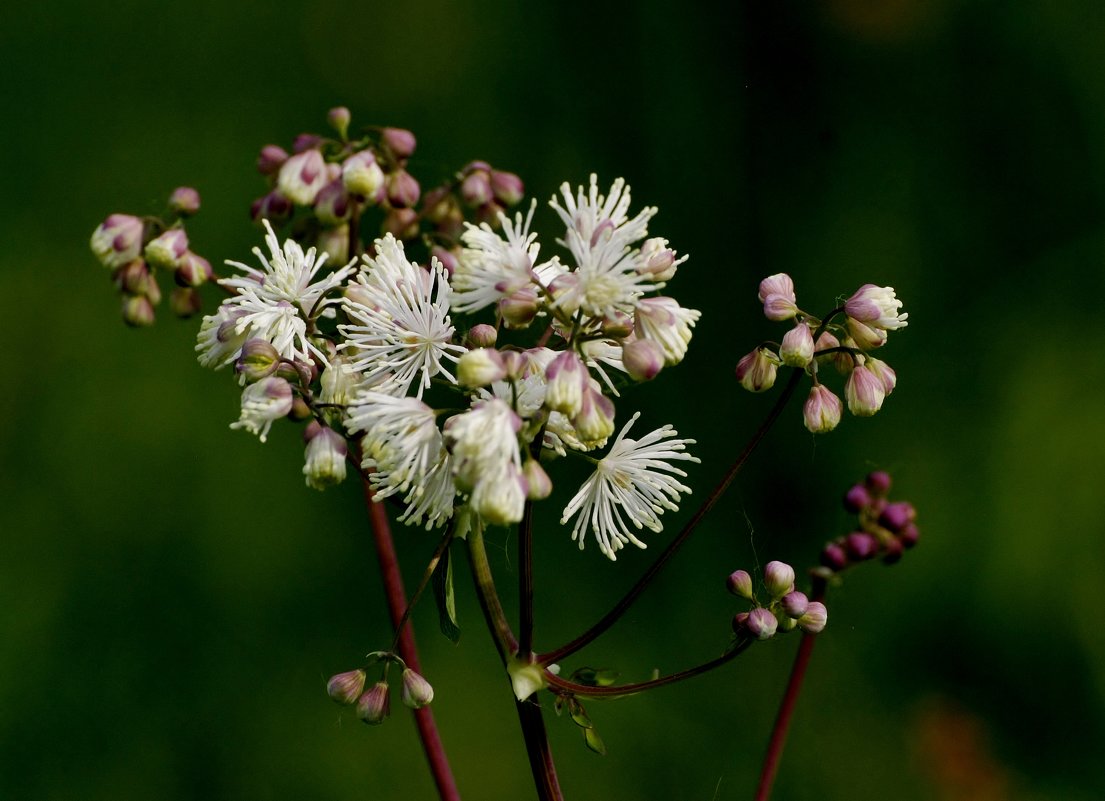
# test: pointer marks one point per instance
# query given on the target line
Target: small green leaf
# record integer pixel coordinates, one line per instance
(446, 600)
(594, 742)
(605, 678)
(579, 715)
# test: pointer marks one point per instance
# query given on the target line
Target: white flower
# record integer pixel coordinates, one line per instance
(401, 326)
(877, 306)
(610, 275)
(667, 324)
(483, 441)
(404, 449)
(262, 403)
(491, 267)
(632, 484)
(277, 300)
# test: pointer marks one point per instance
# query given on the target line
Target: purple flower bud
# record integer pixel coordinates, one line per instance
(165, 251)
(878, 483)
(595, 421)
(184, 201)
(657, 259)
(864, 392)
(795, 604)
(271, 159)
(399, 141)
(482, 336)
(184, 301)
(797, 346)
(118, 240)
(740, 584)
(897, 516)
(273, 207)
(761, 624)
(403, 190)
(475, 190)
(259, 359)
(813, 622)
(756, 371)
(740, 620)
(490, 213)
(833, 556)
(777, 295)
(362, 176)
(856, 499)
(374, 705)
(302, 177)
(332, 204)
(909, 535)
(192, 270)
(778, 578)
(539, 485)
(338, 118)
(822, 410)
(417, 692)
(860, 545)
(306, 141)
(346, 688)
(642, 359)
(137, 311)
(892, 551)
(507, 187)
(401, 223)
(883, 372)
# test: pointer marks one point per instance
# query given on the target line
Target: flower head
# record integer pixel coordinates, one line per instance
(630, 488)
(492, 267)
(262, 403)
(877, 306)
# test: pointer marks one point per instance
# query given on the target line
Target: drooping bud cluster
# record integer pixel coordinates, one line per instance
(812, 343)
(885, 529)
(135, 249)
(374, 704)
(784, 608)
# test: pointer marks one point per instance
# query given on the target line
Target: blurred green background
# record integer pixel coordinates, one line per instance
(172, 598)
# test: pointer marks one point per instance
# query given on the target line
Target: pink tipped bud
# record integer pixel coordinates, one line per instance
(892, 551)
(740, 584)
(475, 189)
(192, 270)
(332, 204)
(184, 302)
(815, 618)
(595, 420)
(883, 372)
(305, 141)
(864, 392)
(777, 295)
(537, 480)
(417, 692)
(657, 259)
(878, 483)
(834, 557)
(490, 213)
(642, 359)
(795, 604)
(346, 688)
(860, 545)
(797, 346)
(857, 499)
(822, 410)
(324, 459)
(617, 325)
(761, 624)
(909, 535)
(374, 705)
(480, 367)
(137, 311)
(184, 201)
(259, 359)
(362, 176)
(896, 516)
(402, 189)
(302, 177)
(864, 336)
(271, 159)
(118, 240)
(338, 118)
(507, 187)
(399, 141)
(740, 622)
(165, 251)
(756, 371)
(778, 578)
(482, 336)
(877, 306)
(334, 242)
(566, 380)
(134, 278)
(519, 309)
(273, 207)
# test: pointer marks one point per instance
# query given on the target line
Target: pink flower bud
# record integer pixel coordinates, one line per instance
(519, 309)
(338, 118)
(595, 421)
(165, 251)
(118, 240)
(861, 545)
(778, 578)
(883, 372)
(740, 583)
(273, 207)
(822, 411)
(864, 392)
(657, 259)
(797, 346)
(834, 557)
(617, 325)
(334, 242)
(271, 159)
(507, 187)
(302, 177)
(566, 380)
(866, 337)
(756, 371)
(403, 190)
(133, 278)
(777, 295)
(877, 306)
(184, 201)
(856, 499)
(815, 618)
(184, 301)
(306, 141)
(642, 359)
(878, 482)
(374, 705)
(362, 176)
(896, 516)
(258, 359)
(137, 311)
(332, 204)
(447, 258)
(539, 485)
(482, 336)
(480, 367)
(399, 141)
(346, 688)
(761, 624)
(417, 692)
(795, 604)
(192, 270)
(475, 190)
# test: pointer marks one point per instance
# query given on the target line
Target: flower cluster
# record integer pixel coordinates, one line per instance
(869, 314)
(885, 528)
(785, 610)
(374, 704)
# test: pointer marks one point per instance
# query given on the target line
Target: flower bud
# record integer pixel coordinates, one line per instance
(878, 482)
(815, 618)
(399, 141)
(324, 459)
(137, 311)
(273, 207)
(134, 278)
(338, 119)
(740, 583)
(259, 359)
(165, 251)
(883, 372)
(525, 677)
(334, 242)
(500, 499)
(566, 380)
(515, 364)
(507, 187)
(374, 705)
(184, 201)
(777, 295)
(876, 306)
(795, 604)
(447, 258)
(185, 301)
(778, 578)
(332, 204)
(271, 159)
(861, 545)
(856, 499)
(268, 400)
(797, 346)
(642, 359)
(482, 336)
(892, 551)
(361, 175)
(192, 270)
(306, 141)
(866, 337)
(909, 535)
(667, 324)
(756, 371)
(595, 421)
(417, 692)
(539, 485)
(740, 621)
(519, 308)
(657, 259)
(841, 360)
(822, 410)
(475, 189)
(617, 325)
(896, 516)
(118, 240)
(833, 556)
(346, 688)
(761, 624)
(864, 392)
(401, 223)
(302, 177)
(403, 190)
(480, 367)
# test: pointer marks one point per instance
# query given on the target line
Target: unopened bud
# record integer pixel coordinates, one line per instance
(642, 359)
(302, 177)
(305, 141)
(374, 705)
(137, 311)
(273, 207)
(778, 578)
(519, 309)
(617, 325)
(482, 336)
(480, 367)
(797, 346)
(909, 535)
(761, 624)
(834, 557)
(338, 118)
(896, 516)
(756, 371)
(507, 187)
(566, 380)
(822, 410)
(259, 359)
(184, 301)
(362, 176)
(417, 692)
(864, 392)
(856, 499)
(777, 295)
(401, 223)
(878, 483)
(740, 583)
(595, 421)
(271, 159)
(883, 372)
(892, 551)
(490, 213)
(300, 410)
(866, 337)
(815, 618)
(324, 459)
(475, 189)
(346, 688)
(861, 545)
(399, 141)
(117, 240)
(192, 270)
(795, 604)
(334, 242)
(657, 259)
(184, 201)
(332, 204)
(539, 485)
(403, 190)
(133, 278)
(740, 620)
(165, 251)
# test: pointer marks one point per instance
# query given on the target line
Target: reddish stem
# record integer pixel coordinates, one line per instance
(397, 604)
